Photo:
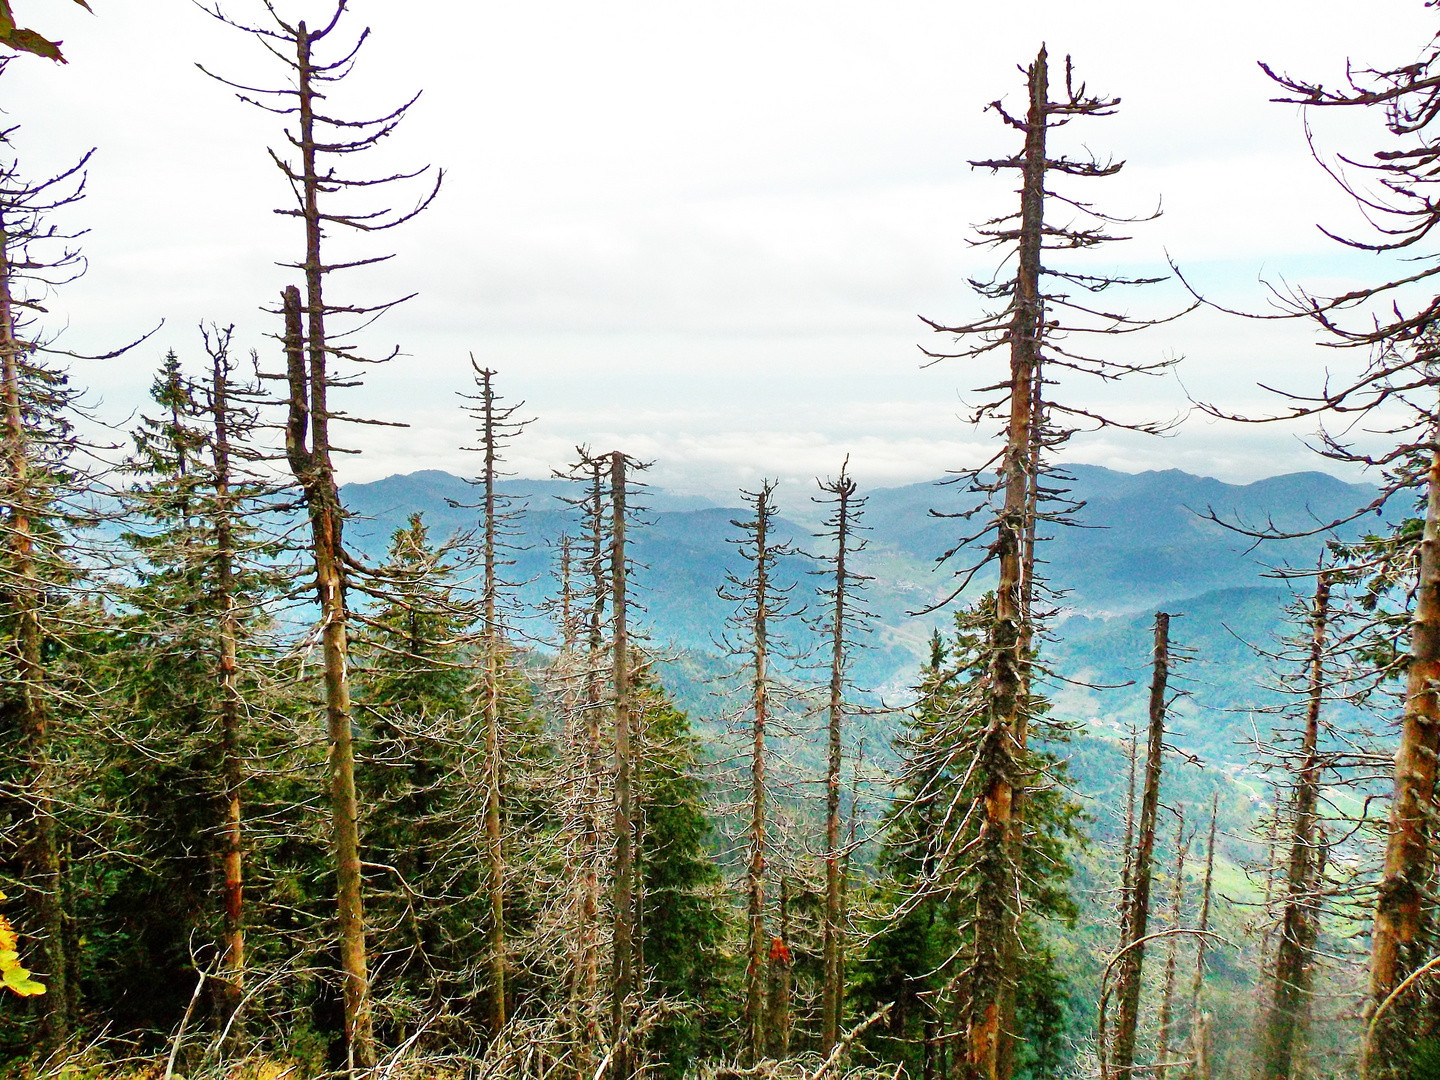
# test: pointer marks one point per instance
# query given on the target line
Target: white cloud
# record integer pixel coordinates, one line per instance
(705, 230)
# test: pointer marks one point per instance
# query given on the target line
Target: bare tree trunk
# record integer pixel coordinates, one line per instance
(40, 852)
(850, 831)
(1172, 950)
(1122, 1054)
(312, 468)
(1005, 1063)
(997, 919)
(831, 989)
(622, 976)
(592, 841)
(232, 759)
(494, 846)
(777, 1019)
(639, 729)
(1400, 939)
(1294, 959)
(1200, 1020)
(755, 1020)
(1127, 870)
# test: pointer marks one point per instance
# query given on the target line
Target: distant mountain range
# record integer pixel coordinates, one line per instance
(1144, 542)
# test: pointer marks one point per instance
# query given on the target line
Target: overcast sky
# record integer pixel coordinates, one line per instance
(703, 232)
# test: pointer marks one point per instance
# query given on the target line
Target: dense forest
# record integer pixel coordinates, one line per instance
(282, 798)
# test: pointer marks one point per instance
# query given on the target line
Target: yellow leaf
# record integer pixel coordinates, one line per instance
(18, 980)
(15, 978)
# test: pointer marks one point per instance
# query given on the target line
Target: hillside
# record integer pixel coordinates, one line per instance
(1145, 544)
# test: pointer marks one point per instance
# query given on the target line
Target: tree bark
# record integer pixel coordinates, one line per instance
(313, 469)
(1127, 869)
(1400, 939)
(494, 845)
(1122, 1054)
(622, 975)
(1285, 1028)
(40, 851)
(755, 1011)
(231, 752)
(1005, 1061)
(831, 988)
(777, 1019)
(997, 920)
(1199, 1020)
(592, 840)
(1172, 952)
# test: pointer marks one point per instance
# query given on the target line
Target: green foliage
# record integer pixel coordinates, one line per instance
(154, 895)
(1425, 1060)
(684, 923)
(919, 941)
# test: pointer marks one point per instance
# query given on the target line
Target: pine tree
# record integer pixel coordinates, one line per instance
(684, 927)
(190, 657)
(920, 953)
(412, 713)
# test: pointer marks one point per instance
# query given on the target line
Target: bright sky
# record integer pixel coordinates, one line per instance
(702, 231)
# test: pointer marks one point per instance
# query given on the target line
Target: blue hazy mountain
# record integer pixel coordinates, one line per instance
(1142, 542)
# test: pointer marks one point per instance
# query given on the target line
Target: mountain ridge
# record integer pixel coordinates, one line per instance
(1145, 544)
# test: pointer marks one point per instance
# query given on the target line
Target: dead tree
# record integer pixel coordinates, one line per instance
(1397, 323)
(845, 616)
(622, 972)
(777, 1005)
(1122, 1050)
(583, 623)
(1199, 1068)
(1127, 848)
(312, 351)
(497, 424)
(22, 206)
(1039, 311)
(42, 512)
(243, 566)
(1288, 1011)
(231, 704)
(1172, 949)
(761, 603)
